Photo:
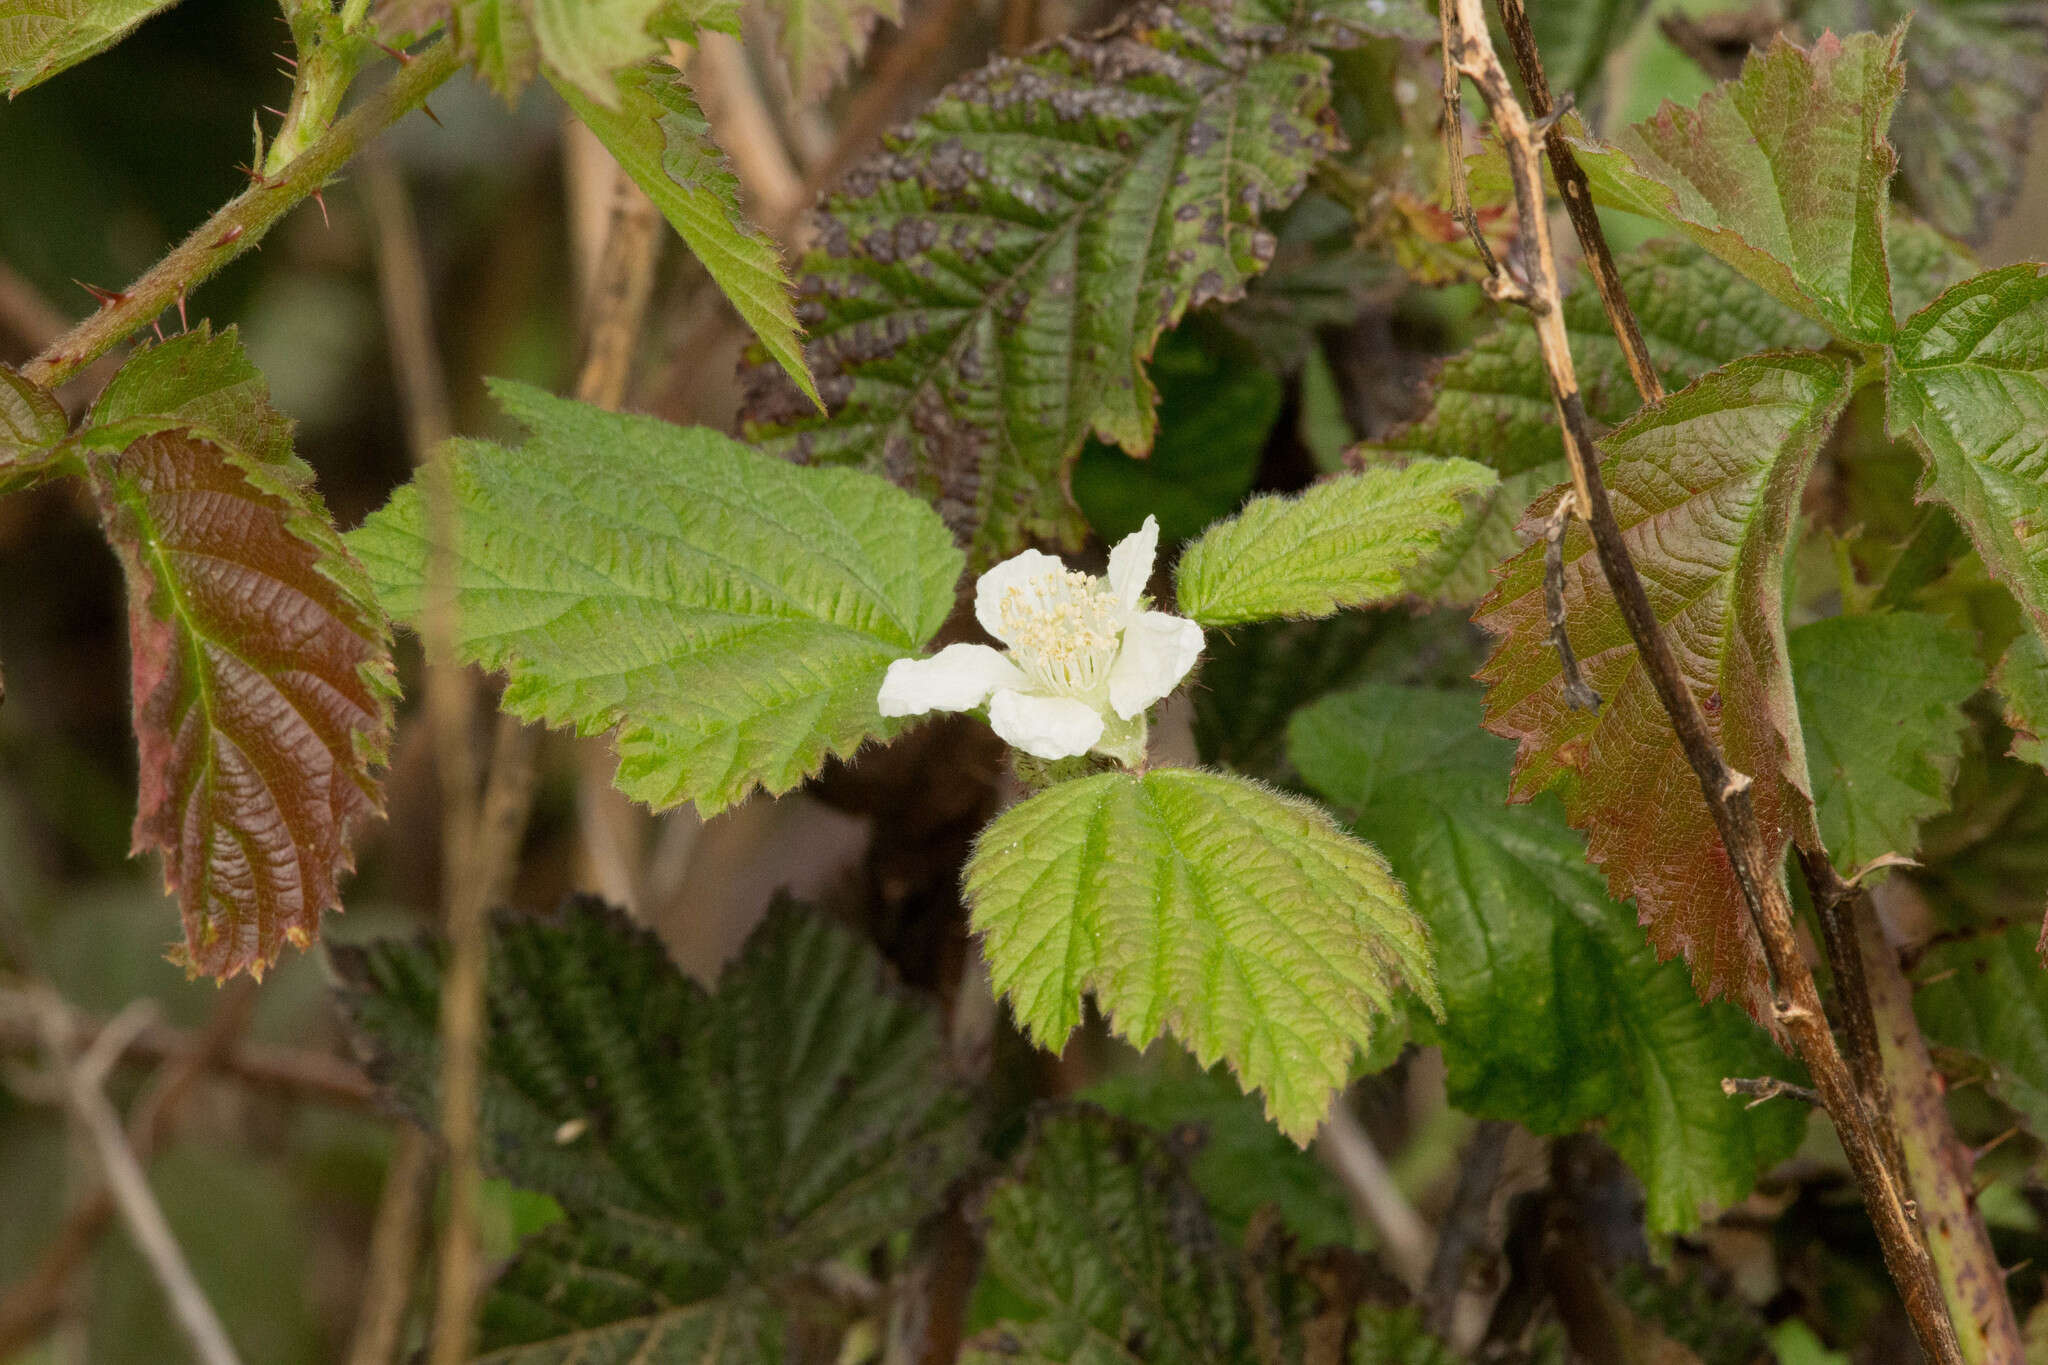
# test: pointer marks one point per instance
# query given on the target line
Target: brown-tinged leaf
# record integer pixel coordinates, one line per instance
(262, 681)
(1706, 487)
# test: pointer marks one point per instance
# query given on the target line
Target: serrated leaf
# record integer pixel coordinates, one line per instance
(707, 1148)
(661, 138)
(1988, 996)
(1241, 921)
(1346, 542)
(1706, 489)
(989, 285)
(820, 39)
(1556, 1013)
(1979, 70)
(731, 615)
(39, 38)
(262, 672)
(31, 421)
(497, 38)
(1782, 172)
(1880, 705)
(586, 44)
(2022, 680)
(1493, 402)
(1460, 571)
(1967, 380)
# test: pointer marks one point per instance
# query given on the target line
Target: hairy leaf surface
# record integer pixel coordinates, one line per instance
(661, 138)
(39, 38)
(1967, 380)
(1782, 172)
(582, 44)
(1705, 487)
(1979, 69)
(730, 614)
(1346, 542)
(821, 38)
(1988, 997)
(988, 287)
(31, 421)
(261, 666)
(1556, 1012)
(1880, 704)
(1241, 921)
(705, 1146)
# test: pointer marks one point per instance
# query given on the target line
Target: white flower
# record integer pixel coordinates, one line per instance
(1085, 657)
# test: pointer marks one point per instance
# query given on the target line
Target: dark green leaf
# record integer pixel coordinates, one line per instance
(707, 1148)
(1988, 996)
(1880, 704)
(1556, 1011)
(2022, 679)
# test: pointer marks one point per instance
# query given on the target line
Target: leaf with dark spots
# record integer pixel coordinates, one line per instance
(1706, 487)
(262, 681)
(987, 289)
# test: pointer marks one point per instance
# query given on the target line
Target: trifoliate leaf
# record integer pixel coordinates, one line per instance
(31, 421)
(39, 38)
(1880, 703)
(262, 672)
(1706, 488)
(662, 140)
(821, 38)
(1978, 71)
(2022, 679)
(731, 615)
(988, 286)
(1493, 403)
(1967, 380)
(708, 1149)
(1346, 542)
(1988, 996)
(1241, 921)
(1556, 1012)
(1781, 172)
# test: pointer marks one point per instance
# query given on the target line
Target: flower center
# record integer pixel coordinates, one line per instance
(1063, 631)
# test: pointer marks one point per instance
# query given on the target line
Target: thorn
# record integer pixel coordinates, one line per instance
(1541, 127)
(269, 109)
(108, 298)
(230, 237)
(1977, 1154)
(1938, 976)
(1736, 784)
(2016, 1267)
(291, 62)
(428, 110)
(1764, 1088)
(399, 55)
(319, 199)
(183, 324)
(157, 327)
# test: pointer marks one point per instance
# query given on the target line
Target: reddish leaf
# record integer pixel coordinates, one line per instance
(1706, 486)
(262, 689)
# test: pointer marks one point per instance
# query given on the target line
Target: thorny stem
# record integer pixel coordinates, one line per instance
(243, 221)
(328, 60)
(1797, 1003)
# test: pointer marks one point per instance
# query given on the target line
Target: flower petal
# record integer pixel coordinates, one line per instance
(1158, 650)
(1130, 563)
(957, 678)
(1045, 727)
(1018, 571)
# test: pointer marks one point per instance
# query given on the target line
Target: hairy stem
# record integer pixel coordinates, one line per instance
(1938, 1166)
(1797, 999)
(242, 222)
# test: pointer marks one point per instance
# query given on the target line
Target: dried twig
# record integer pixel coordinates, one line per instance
(1348, 1151)
(130, 1187)
(1578, 693)
(1797, 999)
(1761, 1089)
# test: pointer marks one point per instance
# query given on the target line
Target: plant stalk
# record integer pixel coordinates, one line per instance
(243, 221)
(1797, 998)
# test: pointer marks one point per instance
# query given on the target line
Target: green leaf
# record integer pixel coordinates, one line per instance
(1556, 1013)
(660, 137)
(1346, 542)
(1576, 40)
(39, 38)
(1967, 380)
(497, 38)
(1988, 996)
(1923, 263)
(1781, 172)
(1979, 70)
(1242, 921)
(585, 43)
(1217, 406)
(1460, 572)
(1706, 489)
(1880, 704)
(731, 615)
(708, 1149)
(988, 286)
(261, 665)
(31, 421)
(1493, 401)
(2022, 679)
(821, 38)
